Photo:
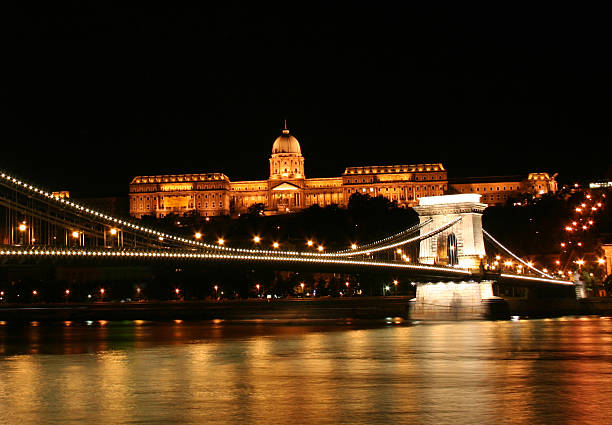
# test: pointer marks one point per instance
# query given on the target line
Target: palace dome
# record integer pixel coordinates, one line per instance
(286, 143)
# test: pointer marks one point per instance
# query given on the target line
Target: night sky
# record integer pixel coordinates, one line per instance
(97, 92)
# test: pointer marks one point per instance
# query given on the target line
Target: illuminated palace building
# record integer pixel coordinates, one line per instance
(287, 189)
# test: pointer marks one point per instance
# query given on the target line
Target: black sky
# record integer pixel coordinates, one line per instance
(97, 92)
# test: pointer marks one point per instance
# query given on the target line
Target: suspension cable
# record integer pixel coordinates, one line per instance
(520, 260)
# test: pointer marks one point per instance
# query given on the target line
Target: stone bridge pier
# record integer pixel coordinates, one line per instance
(460, 245)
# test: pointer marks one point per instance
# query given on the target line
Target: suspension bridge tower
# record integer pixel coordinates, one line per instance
(457, 239)
(461, 243)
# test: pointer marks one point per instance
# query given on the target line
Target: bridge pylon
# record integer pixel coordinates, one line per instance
(462, 243)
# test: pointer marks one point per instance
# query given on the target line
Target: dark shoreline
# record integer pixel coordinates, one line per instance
(367, 308)
(284, 309)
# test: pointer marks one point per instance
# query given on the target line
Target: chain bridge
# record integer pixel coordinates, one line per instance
(38, 226)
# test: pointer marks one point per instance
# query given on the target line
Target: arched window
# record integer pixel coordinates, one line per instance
(452, 250)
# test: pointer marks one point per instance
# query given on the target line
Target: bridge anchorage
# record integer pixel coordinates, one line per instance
(448, 264)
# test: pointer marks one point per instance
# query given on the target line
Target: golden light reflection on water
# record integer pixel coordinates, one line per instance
(534, 371)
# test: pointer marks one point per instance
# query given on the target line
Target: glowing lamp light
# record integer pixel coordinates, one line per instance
(22, 227)
(601, 261)
(310, 243)
(275, 245)
(113, 231)
(75, 234)
(320, 248)
(256, 239)
(221, 241)
(102, 291)
(198, 235)
(354, 246)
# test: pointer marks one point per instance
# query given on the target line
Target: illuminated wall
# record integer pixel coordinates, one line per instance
(286, 190)
(497, 190)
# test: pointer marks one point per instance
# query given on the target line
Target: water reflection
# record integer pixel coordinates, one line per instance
(535, 371)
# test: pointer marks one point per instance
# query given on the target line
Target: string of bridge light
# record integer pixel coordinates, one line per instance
(396, 244)
(403, 232)
(204, 256)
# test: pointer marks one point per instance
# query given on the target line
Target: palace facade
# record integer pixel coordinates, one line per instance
(497, 190)
(286, 190)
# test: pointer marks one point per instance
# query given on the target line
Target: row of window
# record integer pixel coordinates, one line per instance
(417, 189)
(416, 178)
(161, 198)
(148, 207)
(484, 189)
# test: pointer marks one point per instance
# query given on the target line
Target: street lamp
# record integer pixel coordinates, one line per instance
(256, 239)
(22, 229)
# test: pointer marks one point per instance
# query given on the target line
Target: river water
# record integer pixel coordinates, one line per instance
(546, 371)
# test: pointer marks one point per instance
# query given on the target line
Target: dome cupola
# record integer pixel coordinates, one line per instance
(286, 161)
(286, 143)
